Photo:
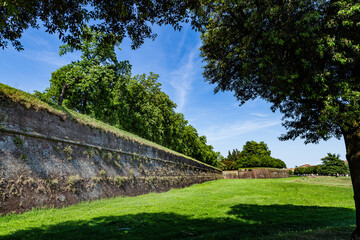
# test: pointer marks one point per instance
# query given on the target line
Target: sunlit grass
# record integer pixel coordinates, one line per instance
(323, 180)
(223, 209)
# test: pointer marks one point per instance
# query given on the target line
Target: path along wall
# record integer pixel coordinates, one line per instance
(256, 173)
(50, 160)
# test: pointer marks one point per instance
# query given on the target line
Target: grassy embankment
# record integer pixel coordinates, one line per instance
(292, 208)
(29, 101)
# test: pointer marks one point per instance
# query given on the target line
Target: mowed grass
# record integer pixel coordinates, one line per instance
(332, 181)
(225, 209)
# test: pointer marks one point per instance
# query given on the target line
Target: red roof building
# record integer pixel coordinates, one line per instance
(305, 165)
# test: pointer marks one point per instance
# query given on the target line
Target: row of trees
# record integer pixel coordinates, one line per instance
(253, 155)
(332, 166)
(101, 87)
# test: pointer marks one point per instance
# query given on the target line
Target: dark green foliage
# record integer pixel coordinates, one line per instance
(118, 19)
(252, 148)
(103, 88)
(302, 56)
(333, 165)
(307, 170)
(234, 155)
(253, 155)
(227, 165)
(299, 170)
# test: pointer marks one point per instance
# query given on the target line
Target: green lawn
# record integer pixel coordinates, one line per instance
(225, 209)
(332, 181)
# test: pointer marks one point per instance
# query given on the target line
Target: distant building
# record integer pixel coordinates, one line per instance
(305, 165)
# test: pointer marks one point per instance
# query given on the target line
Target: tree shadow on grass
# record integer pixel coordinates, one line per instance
(245, 221)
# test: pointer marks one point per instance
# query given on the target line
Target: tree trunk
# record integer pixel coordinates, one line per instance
(61, 97)
(352, 143)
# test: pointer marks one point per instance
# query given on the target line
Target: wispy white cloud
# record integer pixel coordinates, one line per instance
(182, 78)
(184, 36)
(261, 115)
(215, 134)
(43, 48)
(49, 57)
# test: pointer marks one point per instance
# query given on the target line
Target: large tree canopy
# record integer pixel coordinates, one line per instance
(252, 155)
(333, 165)
(67, 18)
(100, 86)
(303, 56)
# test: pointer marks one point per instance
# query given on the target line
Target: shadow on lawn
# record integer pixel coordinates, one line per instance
(244, 222)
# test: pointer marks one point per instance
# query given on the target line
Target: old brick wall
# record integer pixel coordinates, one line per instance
(256, 173)
(50, 160)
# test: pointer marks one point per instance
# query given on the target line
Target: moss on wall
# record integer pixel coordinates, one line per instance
(46, 160)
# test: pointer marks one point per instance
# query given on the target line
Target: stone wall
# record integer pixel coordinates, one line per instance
(256, 173)
(48, 159)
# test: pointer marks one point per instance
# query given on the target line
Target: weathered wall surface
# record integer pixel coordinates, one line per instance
(48, 160)
(256, 173)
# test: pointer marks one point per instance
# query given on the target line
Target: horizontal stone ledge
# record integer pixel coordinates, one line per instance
(81, 144)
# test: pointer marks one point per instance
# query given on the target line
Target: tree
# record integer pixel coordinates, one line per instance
(117, 19)
(303, 56)
(258, 155)
(299, 170)
(333, 165)
(253, 148)
(230, 162)
(103, 88)
(93, 84)
(253, 155)
(227, 165)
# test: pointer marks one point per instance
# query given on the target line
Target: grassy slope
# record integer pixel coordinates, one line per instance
(30, 101)
(223, 209)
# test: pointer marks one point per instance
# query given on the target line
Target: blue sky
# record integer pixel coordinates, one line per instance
(175, 57)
